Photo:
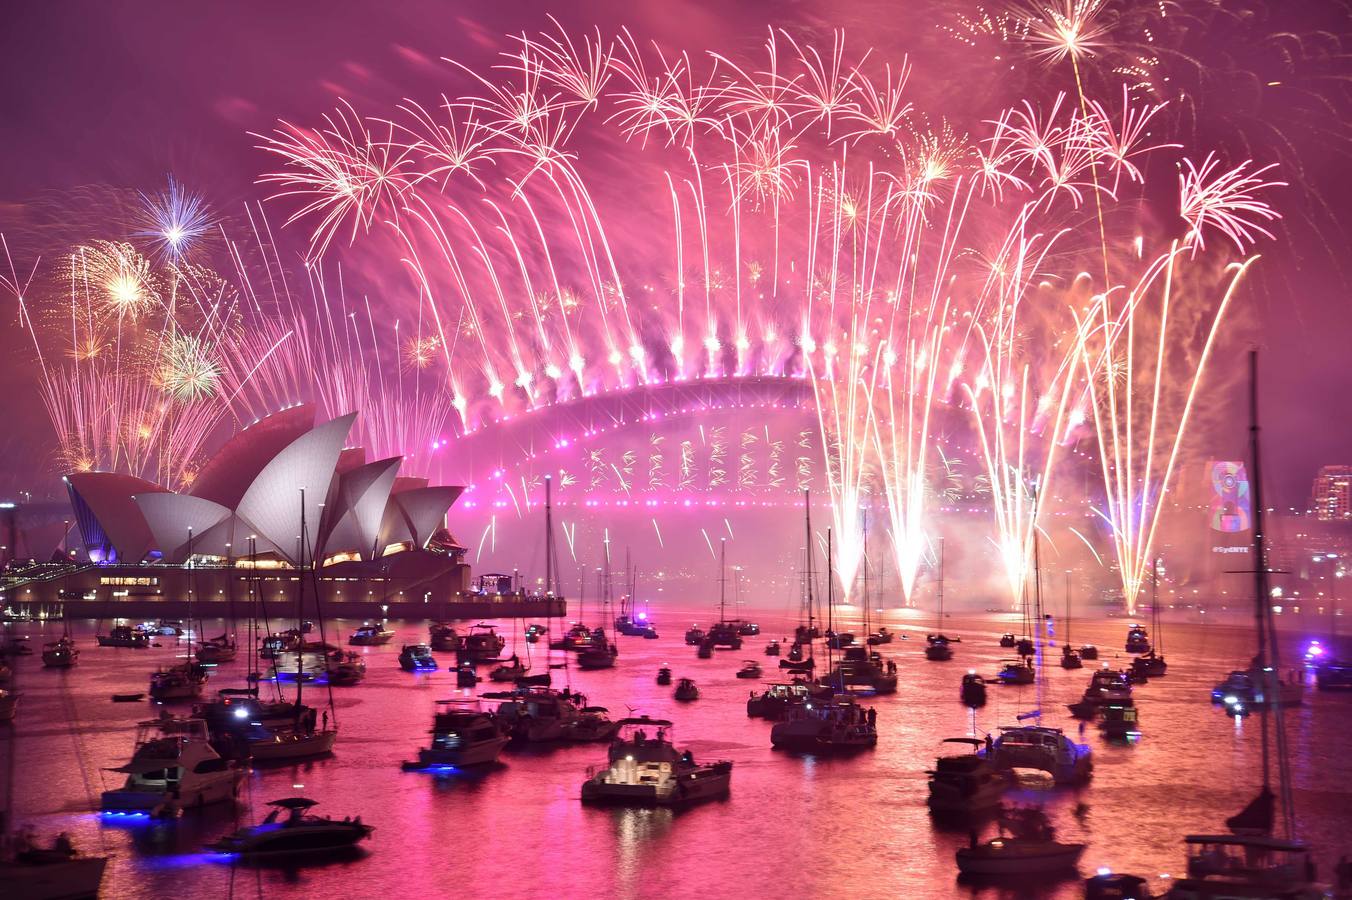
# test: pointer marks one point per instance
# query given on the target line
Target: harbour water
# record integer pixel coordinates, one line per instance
(793, 826)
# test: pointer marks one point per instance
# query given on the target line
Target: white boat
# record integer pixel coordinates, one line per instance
(173, 767)
(371, 636)
(463, 734)
(58, 873)
(1030, 849)
(591, 725)
(1040, 747)
(1224, 866)
(645, 769)
(296, 834)
(964, 783)
(832, 726)
(181, 682)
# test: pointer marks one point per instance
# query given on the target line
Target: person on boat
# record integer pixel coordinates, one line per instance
(891, 667)
(990, 744)
(688, 758)
(640, 736)
(872, 717)
(61, 844)
(326, 720)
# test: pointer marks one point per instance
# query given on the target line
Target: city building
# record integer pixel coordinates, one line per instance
(1331, 497)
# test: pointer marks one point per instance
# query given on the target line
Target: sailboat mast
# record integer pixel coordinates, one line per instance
(722, 578)
(939, 626)
(549, 540)
(830, 599)
(300, 607)
(807, 549)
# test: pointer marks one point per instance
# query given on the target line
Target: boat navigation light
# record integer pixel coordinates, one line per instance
(1104, 870)
(241, 712)
(629, 758)
(1231, 699)
(971, 671)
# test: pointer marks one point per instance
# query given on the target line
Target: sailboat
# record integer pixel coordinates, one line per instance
(1252, 861)
(601, 653)
(937, 645)
(723, 633)
(61, 654)
(185, 680)
(1151, 663)
(1070, 658)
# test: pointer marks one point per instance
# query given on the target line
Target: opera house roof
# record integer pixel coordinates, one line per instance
(278, 479)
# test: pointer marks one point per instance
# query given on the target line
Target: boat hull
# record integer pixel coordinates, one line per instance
(73, 879)
(214, 790)
(709, 783)
(478, 755)
(293, 746)
(1021, 861)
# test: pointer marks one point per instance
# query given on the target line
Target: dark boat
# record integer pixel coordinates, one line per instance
(1089, 652)
(686, 690)
(124, 636)
(774, 702)
(1120, 720)
(1071, 659)
(417, 658)
(1017, 671)
(463, 734)
(1138, 640)
(1332, 675)
(295, 835)
(1007, 640)
(694, 636)
(445, 639)
(664, 675)
(973, 690)
(772, 648)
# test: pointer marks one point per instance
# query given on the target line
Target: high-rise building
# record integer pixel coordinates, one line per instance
(1331, 498)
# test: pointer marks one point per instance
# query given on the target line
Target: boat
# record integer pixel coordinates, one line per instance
(1007, 639)
(276, 645)
(1070, 659)
(464, 734)
(772, 648)
(295, 834)
(576, 638)
(1105, 686)
(417, 658)
(706, 649)
(1222, 866)
(805, 634)
(511, 670)
(694, 636)
(181, 682)
(57, 872)
(1256, 688)
(217, 650)
(724, 632)
(686, 690)
(1332, 675)
(538, 714)
(592, 725)
(864, 670)
(124, 636)
(1088, 652)
(645, 768)
(750, 669)
(349, 672)
(1151, 662)
(1138, 639)
(597, 657)
(748, 629)
(482, 642)
(838, 640)
(938, 647)
(60, 654)
(9, 705)
(664, 675)
(169, 627)
(838, 725)
(1017, 671)
(172, 768)
(1026, 845)
(369, 635)
(296, 741)
(881, 636)
(466, 676)
(1025, 647)
(973, 691)
(1039, 747)
(965, 783)
(1120, 720)
(1116, 886)
(444, 639)
(773, 702)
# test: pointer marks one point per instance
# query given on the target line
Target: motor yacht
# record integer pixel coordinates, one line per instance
(1025, 647)
(417, 658)
(1026, 845)
(350, 671)
(973, 690)
(664, 675)
(538, 714)
(644, 768)
(750, 669)
(686, 690)
(1106, 885)
(1120, 720)
(369, 635)
(1105, 686)
(1017, 671)
(466, 676)
(863, 670)
(1088, 652)
(294, 834)
(1070, 659)
(124, 636)
(217, 650)
(706, 649)
(881, 636)
(1150, 664)
(181, 682)
(275, 645)
(464, 734)
(772, 648)
(1332, 674)
(60, 654)
(482, 643)
(725, 634)
(578, 637)
(839, 640)
(838, 725)
(964, 783)
(747, 629)
(533, 632)
(602, 657)
(592, 725)
(1040, 747)
(773, 702)
(511, 670)
(806, 634)
(937, 648)
(795, 653)
(1007, 640)
(1252, 689)
(444, 638)
(173, 767)
(1138, 640)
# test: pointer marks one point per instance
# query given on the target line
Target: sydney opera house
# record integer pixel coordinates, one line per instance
(286, 512)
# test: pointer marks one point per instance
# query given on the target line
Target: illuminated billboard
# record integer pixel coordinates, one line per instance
(1231, 512)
